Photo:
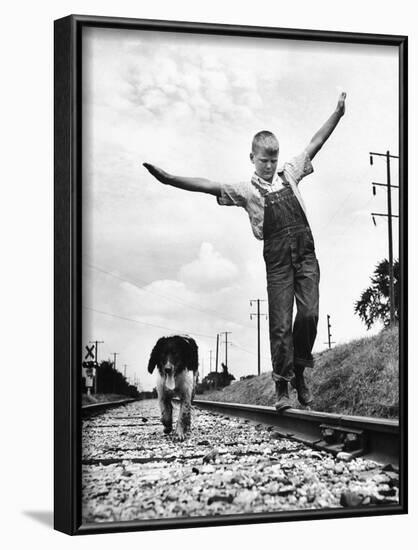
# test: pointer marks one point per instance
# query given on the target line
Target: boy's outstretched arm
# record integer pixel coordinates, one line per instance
(189, 184)
(326, 130)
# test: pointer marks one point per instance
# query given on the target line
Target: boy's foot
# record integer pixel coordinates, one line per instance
(298, 382)
(283, 401)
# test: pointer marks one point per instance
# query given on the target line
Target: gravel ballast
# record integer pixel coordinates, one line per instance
(131, 471)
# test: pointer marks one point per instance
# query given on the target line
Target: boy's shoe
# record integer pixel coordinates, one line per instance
(298, 382)
(283, 401)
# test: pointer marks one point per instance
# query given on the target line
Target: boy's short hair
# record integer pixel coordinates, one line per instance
(265, 140)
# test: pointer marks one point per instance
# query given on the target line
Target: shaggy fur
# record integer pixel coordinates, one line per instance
(176, 358)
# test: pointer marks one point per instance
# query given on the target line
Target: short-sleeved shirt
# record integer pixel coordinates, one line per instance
(250, 194)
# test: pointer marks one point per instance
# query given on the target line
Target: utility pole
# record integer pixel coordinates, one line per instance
(389, 216)
(217, 353)
(114, 359)
(226, 346)
(96, 359)
(258, 315)
(210, 360)
(329, 332)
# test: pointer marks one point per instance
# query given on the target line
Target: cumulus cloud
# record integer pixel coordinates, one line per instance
(210, 271)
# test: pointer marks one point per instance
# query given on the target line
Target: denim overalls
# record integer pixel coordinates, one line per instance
(292, 273)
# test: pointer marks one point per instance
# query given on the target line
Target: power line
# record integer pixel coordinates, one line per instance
(241, 348)
(146, 324)
(165, 328)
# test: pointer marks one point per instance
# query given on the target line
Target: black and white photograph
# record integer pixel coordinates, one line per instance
(241, 269)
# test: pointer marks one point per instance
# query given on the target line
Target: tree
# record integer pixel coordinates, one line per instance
(215, 380)
(373, 304)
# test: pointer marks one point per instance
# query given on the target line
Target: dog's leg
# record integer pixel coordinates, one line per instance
(186, 386)
(166, 407)
(183, 422)
(167, 414)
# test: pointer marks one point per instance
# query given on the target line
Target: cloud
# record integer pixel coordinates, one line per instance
(209, 272)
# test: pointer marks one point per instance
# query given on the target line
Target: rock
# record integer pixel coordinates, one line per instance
(368, 475)
(381, 501)
(246, 497)
(344, 456)
(210, 456)
(350, 499)
(286, 490)
(310, 496)
(220, 498)
(339, 469)
(389, 468)
(313, 454)
(390, 492)
(393, 479)
(380, 478)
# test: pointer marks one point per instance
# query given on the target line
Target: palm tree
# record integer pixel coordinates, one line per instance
(373, 304)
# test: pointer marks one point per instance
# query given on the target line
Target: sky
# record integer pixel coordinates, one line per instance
(159, 260)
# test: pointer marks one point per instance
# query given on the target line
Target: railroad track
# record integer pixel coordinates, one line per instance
(238, 459)
(95, 408)
(373, 438)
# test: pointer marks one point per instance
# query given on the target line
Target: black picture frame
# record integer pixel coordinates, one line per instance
(67, 286)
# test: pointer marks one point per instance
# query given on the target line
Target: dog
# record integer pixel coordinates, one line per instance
(177, 361)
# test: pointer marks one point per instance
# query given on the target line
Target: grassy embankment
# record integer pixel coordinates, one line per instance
(358, 378)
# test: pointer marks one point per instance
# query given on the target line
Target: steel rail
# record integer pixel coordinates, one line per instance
(374, 438)
(93, 408)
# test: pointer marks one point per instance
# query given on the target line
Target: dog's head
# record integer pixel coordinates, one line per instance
(171, 355)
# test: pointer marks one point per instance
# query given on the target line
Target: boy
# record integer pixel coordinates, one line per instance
(278, 216)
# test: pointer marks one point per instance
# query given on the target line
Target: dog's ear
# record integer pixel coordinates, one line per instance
(153, 360)
(193, 355)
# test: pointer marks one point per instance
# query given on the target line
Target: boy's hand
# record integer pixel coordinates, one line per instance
(156, 172)
(341, 104)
